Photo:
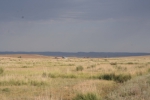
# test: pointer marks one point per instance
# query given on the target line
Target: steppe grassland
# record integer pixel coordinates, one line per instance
(48, 78)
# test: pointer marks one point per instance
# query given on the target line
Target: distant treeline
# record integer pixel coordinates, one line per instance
(82, 54)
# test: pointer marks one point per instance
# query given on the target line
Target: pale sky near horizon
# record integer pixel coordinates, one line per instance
(75, 25)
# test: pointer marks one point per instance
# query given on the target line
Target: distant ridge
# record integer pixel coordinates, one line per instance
(82, 54)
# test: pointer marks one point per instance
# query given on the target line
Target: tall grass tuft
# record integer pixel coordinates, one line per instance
(113, 63)
(88, 96)
(148, 70)
(1, 70)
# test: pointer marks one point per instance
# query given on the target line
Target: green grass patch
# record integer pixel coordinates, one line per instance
(117, 78)
(57, 75)
(21, 83)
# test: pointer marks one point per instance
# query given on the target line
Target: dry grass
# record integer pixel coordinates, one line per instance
(136, 89)
(35, 77)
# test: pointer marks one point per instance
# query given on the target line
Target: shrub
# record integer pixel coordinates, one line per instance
(135, 89)
(71, 64)
(79, 68)
(56, 75)
(113, 63)
(44, 74)
(6, 90)
(52, 75)
(88, 96)
(107, 76)
(130, 63)
(1, 70)
(37, 83)
(122, 78)
(148, 70)
(19, 57)
(12, 83)
(139, 73)
(92, 66)
(24, 66)
(120, 68)
(118, 78)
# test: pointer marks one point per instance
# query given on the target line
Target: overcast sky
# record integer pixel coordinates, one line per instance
(75, 25)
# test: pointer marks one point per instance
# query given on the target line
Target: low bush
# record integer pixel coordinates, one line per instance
(51, 75)
(6, 90)
(19, 57)
(69, 76)
(88, 96)
(136, 89)
(21, 83)
(79, 68)
(120, 68)
(24, 66)
(113, 63)
(107, 76)
(1, 70)
(122, 78)
(92, 66)
(118, 78)
(56, 75)
(130, 63)
(44, 74)
(140, 73)
(12, 83)
(37, 83)
(148, 70)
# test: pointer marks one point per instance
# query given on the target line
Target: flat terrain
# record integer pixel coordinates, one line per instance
(37, 77)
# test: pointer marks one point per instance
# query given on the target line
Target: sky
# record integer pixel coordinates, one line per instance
(75, 25)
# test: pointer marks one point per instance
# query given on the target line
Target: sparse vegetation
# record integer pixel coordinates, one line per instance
(44, 74)
(88, 96)
(6, 90)
(113, 63)
(136, 89)
(56, 75)
(48, 78)
(118, 78)
(1, 70)
(24, 66)
(148, 70)
(130, 63)
(19, 57)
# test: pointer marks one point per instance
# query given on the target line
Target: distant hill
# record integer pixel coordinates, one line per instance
(82, 54)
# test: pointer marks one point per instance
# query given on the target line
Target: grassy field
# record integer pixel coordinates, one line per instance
(36, 77)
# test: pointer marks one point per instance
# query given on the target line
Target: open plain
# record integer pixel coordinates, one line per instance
(37, 77)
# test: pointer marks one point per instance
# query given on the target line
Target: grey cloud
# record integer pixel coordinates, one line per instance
(74, 25)
(75, 9)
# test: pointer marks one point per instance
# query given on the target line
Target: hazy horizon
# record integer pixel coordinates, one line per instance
(75, 25)
(69, 52)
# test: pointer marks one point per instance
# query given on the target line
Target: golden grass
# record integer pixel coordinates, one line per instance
(35, 77)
